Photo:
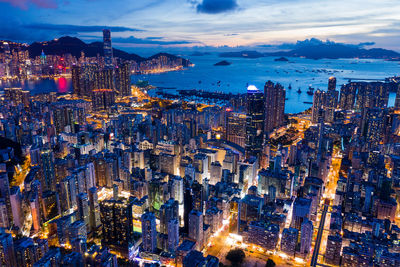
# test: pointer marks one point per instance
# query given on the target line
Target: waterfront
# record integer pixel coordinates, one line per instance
(298, 72)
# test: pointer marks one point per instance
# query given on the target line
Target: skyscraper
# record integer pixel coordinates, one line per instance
(123, 79)
(236, 128)
(196, 228)
(116, 217)
(47, 163)
(254, 121)
(108, 53)
(274, 105)
(94, 210)
(317, 107)
(331, 100)
(306, 237)
(5, 195)
(7, 256)
(102, 99)
(173, 235)
(149, 232)
(168, 211)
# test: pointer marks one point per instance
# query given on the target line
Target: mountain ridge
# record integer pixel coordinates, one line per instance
(319, 50)
(74, 46)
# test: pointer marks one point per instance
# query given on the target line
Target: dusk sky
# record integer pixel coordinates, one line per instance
(203, 22)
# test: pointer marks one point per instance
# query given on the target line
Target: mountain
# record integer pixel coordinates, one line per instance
(317, 49)
(335, 51)
(74, 46)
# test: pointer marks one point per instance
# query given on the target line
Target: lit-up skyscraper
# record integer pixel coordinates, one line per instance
(149, 232)
(274, 105)
(108, 54)
(331, 100)
(254, 121)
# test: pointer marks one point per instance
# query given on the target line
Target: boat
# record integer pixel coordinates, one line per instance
(290, 86)
(299, 91)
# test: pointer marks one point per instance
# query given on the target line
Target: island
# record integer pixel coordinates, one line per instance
(281, 59)
(223, 63)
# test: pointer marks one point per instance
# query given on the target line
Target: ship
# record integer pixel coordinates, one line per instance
(290, 86)
(299, 91)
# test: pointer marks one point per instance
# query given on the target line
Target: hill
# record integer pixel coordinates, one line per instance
(337, 50)
(74, 46)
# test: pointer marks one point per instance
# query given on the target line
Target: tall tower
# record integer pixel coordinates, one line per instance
(274, 105)
(196, 228)
(149, 232)
(331, 100)
(108, 54)
(254, 121)
(318, 103)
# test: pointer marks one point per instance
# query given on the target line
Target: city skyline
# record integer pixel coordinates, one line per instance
(190, 23)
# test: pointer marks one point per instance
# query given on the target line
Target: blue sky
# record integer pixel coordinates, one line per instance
(155, 23)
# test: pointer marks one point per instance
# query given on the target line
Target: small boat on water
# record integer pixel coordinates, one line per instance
(299, 91)
(290, 86)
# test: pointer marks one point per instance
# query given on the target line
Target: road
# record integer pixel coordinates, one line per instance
(314, 259)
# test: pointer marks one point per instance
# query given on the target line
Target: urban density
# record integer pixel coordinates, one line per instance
(110, 175)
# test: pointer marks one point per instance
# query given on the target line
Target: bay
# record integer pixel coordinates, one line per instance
(297, 72)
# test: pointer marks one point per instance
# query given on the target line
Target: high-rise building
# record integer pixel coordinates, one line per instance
(47, 164)
(249, 210)
(149, 232)
(16, 205)
(94, 210)
(173, 235)
(317, 107)
(333, 249)
(236, 128)
(25, 252)
(196, 228)
(168, 211)
(123, 80)
(274, 95)
(265, 235)
(84, 79)
(104, 79)
(331, 100)
(5, 195)
(83, 208)
(254, 122)
(102, 99)
(306, 237)
(116, 217)
(289, 241)
(7, 256)
(301, 212)
(108, 52)
(348, 94)
(187, 208)
(17, 96)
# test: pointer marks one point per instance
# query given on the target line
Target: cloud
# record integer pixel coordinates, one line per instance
(216, 6)
(24, 4)
(74, 29)
(149, 41)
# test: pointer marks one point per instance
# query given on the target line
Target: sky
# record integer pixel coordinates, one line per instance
(214, 23)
